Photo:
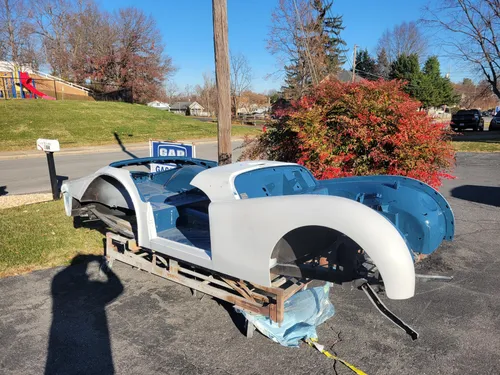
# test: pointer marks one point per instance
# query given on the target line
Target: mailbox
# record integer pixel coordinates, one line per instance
(47, 145)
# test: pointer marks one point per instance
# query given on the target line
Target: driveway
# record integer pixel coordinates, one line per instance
(134, 323)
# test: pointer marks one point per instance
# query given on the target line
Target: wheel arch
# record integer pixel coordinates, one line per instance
(115, 188)
(109, 191)
(303, 241)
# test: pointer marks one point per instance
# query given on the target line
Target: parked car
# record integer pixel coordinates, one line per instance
(252, 219)
(467, 119)
(495, 123)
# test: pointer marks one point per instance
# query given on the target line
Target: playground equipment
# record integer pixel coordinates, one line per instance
(27, 82)
(20, 87)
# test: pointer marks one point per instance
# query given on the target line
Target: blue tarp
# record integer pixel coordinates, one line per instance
(304, 311)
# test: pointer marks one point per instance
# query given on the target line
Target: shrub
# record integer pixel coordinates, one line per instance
(354, 129)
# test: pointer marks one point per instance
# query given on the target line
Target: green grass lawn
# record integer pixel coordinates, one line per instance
(85, 123)
(477, 141)
(479, 146)
(40, 236)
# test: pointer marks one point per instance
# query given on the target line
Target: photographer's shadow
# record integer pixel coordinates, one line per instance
(79, 340)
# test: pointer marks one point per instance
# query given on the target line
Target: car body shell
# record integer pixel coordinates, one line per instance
(230, 219)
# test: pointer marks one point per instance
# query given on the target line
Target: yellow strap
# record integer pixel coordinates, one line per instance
(314, 344)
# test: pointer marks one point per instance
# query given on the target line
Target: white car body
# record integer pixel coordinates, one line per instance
(244, 229)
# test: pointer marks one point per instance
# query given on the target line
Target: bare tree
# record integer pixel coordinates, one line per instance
(285, 35)
(475, 95)
(252, 101)
(305, 38)
(189, 91)
(17, 42)
(171, 90)
(472, 28)
(403, 39)
(53, 23)
(140, 59)
(241, 78)
(123, 50)
(207, 94)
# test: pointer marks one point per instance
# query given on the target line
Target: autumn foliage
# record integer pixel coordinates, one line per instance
(354, 129)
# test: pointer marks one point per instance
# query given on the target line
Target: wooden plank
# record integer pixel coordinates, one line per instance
(251, 299)
(204, 277)
(278, 282)
(238, 289)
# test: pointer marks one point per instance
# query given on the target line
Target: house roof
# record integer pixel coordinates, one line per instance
(180, 105)
(183, 106)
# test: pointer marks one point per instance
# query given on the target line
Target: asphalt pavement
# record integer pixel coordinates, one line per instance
(70, 320)
(30, 174)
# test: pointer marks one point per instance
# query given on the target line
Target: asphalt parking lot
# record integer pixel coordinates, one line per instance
(73, 321)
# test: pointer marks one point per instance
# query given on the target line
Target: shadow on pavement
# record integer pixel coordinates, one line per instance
(79, 340)
(3, 190)
(124, 149)
(479, 194)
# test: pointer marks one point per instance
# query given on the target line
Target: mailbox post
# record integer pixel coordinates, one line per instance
(49, 146)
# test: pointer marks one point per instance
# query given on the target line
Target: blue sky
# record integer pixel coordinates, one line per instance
(186, 27)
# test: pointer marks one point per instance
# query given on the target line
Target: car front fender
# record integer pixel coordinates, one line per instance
(245, 232)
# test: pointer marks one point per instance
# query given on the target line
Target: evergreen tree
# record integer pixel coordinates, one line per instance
(383, 67)
(335, 46)
(437, 90)
(426, 85)
(366, 66)
(407, 68)
(297, 79)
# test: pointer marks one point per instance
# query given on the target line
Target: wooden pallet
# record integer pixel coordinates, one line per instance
(257, 299)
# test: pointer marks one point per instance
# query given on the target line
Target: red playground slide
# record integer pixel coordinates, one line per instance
(26, 82)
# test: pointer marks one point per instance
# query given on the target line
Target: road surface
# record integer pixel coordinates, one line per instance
(30, 175)
(72, 321)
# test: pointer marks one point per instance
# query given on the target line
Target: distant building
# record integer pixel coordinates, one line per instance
(253, 109)
(188, 109)
(160, 105)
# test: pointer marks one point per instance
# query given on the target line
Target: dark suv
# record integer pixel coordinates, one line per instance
(495, 123)
(467, 119)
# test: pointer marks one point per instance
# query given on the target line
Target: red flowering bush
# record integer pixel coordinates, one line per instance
(354, 129)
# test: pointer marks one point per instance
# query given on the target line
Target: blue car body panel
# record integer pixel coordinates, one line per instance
(420, 213)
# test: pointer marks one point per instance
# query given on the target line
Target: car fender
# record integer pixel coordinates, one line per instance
(77, 189)
(421, 214)
(245, 232)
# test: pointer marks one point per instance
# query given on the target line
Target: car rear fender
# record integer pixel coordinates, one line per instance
(420, 213)
(245, 232)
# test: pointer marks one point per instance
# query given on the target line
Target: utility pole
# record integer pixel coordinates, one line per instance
(354, 63)
(222, 78)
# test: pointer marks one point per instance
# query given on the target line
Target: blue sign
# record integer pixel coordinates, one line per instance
(159, 149)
